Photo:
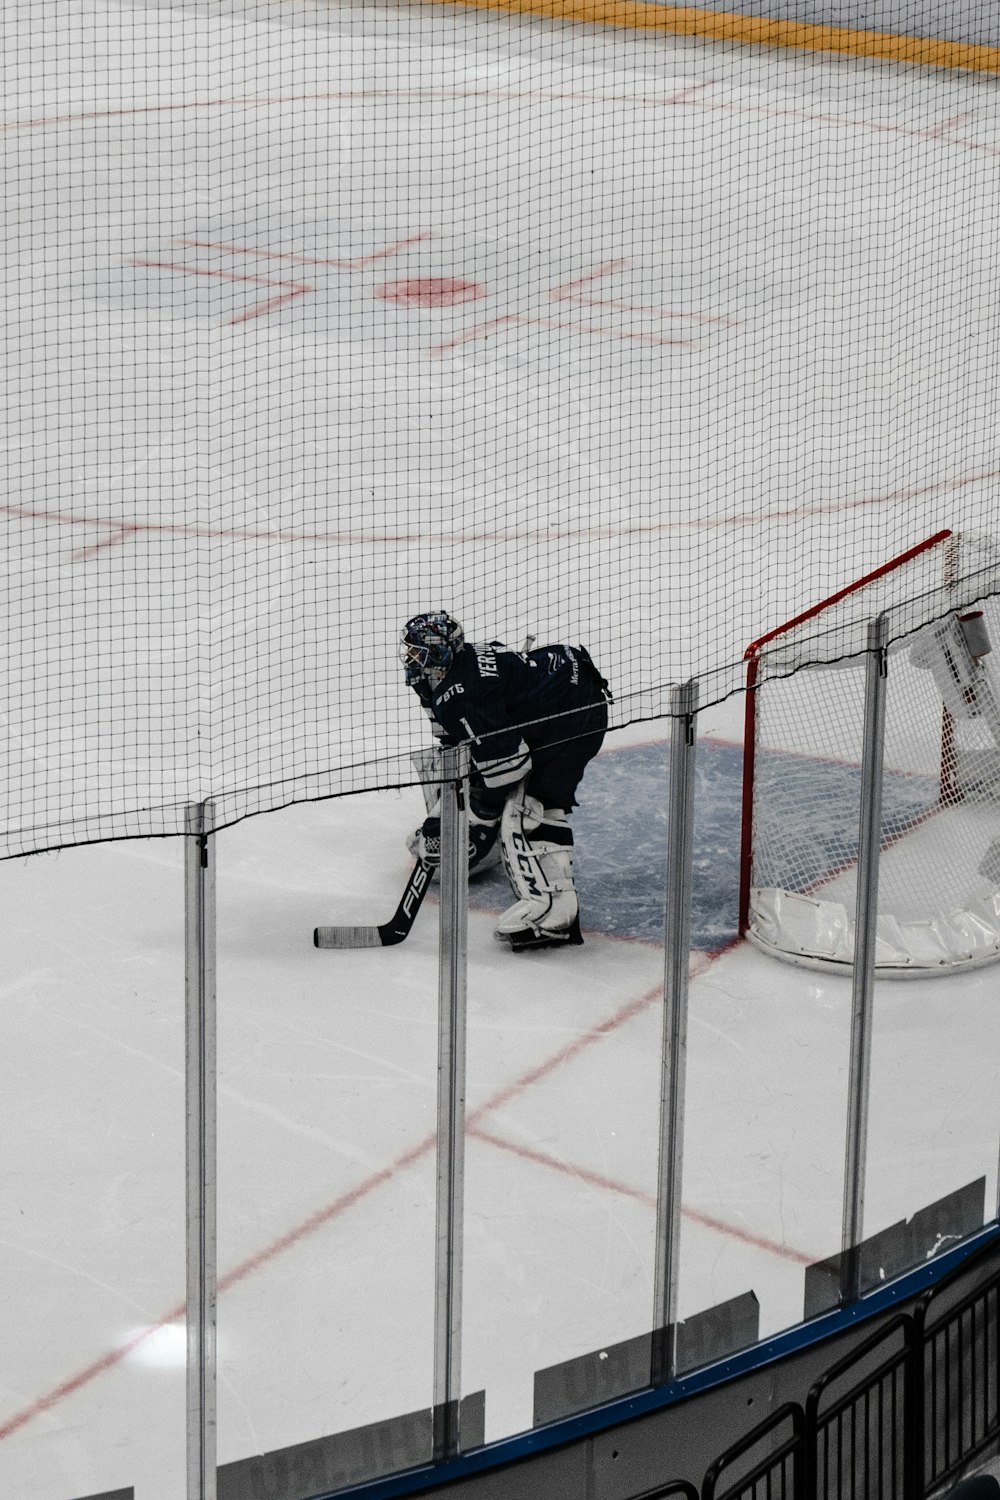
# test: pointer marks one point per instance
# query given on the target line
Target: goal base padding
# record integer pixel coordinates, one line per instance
(818, 934)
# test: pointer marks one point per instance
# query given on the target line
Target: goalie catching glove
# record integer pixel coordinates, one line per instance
(484, 847)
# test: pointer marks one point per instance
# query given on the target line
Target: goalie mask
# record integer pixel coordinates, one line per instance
(427, 649)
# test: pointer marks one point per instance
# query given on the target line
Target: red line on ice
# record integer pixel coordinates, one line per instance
(296, 288)
(179, 529)
(265, 101)
(86, 1375)
(349, 1199)
(119, 533)
(358, 264)
(570, 292)
(483, 329)
(568, 288)
(598, 1179)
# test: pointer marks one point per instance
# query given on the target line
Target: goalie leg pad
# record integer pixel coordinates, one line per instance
(537, 848)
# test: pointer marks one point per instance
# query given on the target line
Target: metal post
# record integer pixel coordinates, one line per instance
(200, 1098)
(863, 985)
(677, 958)
(452, 956)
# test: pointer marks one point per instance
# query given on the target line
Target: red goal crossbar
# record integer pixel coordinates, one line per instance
(752, 656)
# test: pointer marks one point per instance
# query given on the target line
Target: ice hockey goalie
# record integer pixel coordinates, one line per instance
(532, 720)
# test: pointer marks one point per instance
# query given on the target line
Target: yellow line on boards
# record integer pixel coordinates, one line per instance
(720, 26)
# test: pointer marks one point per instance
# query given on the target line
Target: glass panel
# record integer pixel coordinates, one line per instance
(932, 1136)
(564, 1049)
(92, 1236)
(932, 1156)
(767, 1067)
(327, 1079)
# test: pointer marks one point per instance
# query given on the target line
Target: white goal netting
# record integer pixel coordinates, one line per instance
(939, 868)
(317, 316)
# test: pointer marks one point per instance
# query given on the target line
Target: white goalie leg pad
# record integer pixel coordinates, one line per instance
(537, 848)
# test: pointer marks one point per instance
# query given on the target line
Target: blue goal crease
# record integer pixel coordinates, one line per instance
(621, 834)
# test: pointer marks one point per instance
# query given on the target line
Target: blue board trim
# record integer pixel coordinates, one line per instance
(602, 1418)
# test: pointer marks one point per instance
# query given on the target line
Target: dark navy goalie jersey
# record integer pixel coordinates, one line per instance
(507, 704)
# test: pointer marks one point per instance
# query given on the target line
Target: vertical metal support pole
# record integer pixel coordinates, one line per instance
(677, 958)
(752, 659)
(863, 986)
(200, 1096)
(452, 958)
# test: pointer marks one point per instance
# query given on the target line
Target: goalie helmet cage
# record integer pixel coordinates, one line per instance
(939, 869)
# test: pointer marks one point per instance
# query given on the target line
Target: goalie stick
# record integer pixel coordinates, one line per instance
(393, 931)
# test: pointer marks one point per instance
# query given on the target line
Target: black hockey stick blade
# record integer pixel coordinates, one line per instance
(393, 931)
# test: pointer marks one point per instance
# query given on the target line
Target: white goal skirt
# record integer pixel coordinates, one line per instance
(939, 867)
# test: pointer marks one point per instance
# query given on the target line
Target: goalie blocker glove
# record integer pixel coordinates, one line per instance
(484, 847)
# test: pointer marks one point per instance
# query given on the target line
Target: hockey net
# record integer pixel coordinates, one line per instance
(939, 865)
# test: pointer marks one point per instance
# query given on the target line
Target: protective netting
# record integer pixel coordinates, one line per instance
(939, 870)
(317, 317)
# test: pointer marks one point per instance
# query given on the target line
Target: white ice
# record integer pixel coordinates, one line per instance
(211, 523)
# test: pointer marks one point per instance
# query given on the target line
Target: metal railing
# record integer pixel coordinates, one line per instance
(777, 1474)
(898, 1417)
(961, 1384)
(861, 1442)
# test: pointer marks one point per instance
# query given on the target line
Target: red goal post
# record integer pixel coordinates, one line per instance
(939, 897)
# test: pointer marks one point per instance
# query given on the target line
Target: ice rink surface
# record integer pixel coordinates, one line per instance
(302, 300)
